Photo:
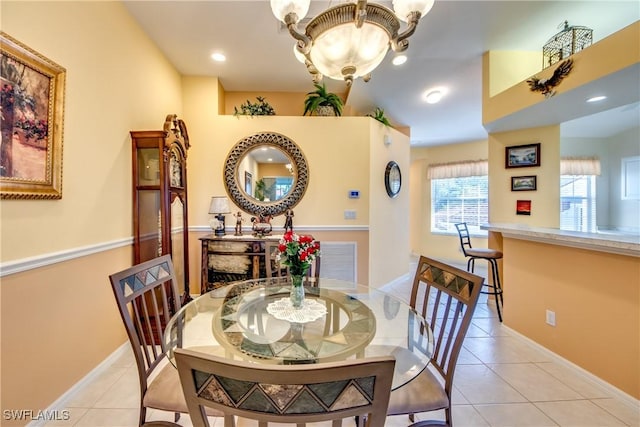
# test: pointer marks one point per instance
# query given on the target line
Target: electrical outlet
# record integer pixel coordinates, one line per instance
(349, 214)
(551, 318)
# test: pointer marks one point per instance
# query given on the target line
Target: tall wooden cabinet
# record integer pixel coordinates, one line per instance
(160, 197)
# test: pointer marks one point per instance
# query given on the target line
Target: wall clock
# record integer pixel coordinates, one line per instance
(392, 179)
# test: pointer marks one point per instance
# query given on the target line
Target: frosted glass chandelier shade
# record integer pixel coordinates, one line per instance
(351, 39)
(346, 49)
(403, 8)
(281, 8)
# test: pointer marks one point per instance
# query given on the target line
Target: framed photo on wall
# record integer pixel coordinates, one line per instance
(522, 156)
(32, 102)
(524, 183)
(523, 207)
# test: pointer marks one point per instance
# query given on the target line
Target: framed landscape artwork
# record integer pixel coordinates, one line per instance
(523, 207)
(522, 156)
(523, 183)
(32, 106)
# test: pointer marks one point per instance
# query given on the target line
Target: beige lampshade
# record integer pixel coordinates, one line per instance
(219, 205)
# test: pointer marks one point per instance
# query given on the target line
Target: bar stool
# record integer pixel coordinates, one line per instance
(491, 255)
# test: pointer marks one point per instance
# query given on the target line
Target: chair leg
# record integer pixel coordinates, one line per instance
(143, 415)
(496, 286)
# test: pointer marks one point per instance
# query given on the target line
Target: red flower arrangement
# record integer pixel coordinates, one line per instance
(297, 252)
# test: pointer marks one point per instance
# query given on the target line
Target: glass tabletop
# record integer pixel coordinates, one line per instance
(240, 321)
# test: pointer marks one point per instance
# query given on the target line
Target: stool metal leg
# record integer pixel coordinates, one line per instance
(497, 288)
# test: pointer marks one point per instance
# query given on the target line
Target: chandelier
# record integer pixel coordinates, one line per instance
(351, 39)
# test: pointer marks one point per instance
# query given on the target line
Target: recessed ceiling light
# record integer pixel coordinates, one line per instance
(433, 96)
(218, 57)
(399, 59)
(596, 98)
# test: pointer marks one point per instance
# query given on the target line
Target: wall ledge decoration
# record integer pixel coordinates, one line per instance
(546, 86)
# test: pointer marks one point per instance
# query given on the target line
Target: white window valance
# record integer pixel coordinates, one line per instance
(579, 166)
(458, 169)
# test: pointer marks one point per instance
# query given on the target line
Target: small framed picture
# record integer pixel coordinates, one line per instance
(523, 183)
(522, 156)
(523, 207)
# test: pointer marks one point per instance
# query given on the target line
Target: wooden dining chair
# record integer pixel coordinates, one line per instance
(274, 268)
(286, 393)
(446, 297)
(147, 296)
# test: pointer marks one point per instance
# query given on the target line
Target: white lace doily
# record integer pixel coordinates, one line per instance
(310, 310)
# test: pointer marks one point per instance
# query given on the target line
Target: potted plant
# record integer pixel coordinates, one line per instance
(378, 115)
(260, 108)
(322, 103)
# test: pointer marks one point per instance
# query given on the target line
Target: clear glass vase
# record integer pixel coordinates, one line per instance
(297, 291)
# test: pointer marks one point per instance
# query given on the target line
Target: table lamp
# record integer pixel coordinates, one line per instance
(219, 206)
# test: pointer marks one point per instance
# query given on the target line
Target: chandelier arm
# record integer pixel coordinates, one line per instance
(361, 13)
(304, 42)
(400, 43)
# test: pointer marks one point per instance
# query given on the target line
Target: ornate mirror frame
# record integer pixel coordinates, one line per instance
(235, 188)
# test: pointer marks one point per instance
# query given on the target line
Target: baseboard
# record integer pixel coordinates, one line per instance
(61, 403)
(619, 394)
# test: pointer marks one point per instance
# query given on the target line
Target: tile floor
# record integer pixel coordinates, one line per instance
(501, 380)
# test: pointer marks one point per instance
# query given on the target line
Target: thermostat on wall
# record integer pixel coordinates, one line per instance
(354, 194)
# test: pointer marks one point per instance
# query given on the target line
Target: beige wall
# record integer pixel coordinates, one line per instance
(59, 322)
(545, 201)
(614, 53)
(343, 154)
(596, 298)
(284, 103)
(440, 246)
(98, 117)
(388, 218)
(574, 283)
(511, 67)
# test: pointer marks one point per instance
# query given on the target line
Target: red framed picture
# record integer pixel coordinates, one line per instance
(523, 207)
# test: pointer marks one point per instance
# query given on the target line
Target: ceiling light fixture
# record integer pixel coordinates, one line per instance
(218, 57)
(434, 96)
(350, 40)
(597, 98)
(399, 59)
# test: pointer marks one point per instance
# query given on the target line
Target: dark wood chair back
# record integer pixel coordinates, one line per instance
(286, 393)
(147, 297)
(446, 297)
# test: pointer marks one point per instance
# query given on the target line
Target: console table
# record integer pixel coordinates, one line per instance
(232, 258)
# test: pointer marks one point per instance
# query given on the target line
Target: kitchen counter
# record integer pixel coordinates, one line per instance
(603, 242)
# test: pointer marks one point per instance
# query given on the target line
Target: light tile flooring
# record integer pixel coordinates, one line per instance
(501, 380)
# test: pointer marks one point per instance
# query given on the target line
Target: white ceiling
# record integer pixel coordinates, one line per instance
(446, 50)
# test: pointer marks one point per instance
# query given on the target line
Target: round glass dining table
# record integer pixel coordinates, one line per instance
(252, 320)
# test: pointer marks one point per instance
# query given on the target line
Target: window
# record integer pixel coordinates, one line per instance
(461, 199)
(578, 203)
(578, 193)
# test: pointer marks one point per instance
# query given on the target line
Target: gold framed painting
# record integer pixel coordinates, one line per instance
(32, 107)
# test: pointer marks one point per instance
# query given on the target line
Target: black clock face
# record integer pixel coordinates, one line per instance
(392, 179)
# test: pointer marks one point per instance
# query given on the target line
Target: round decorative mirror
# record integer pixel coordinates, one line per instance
(392, 179)
(266, 173)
